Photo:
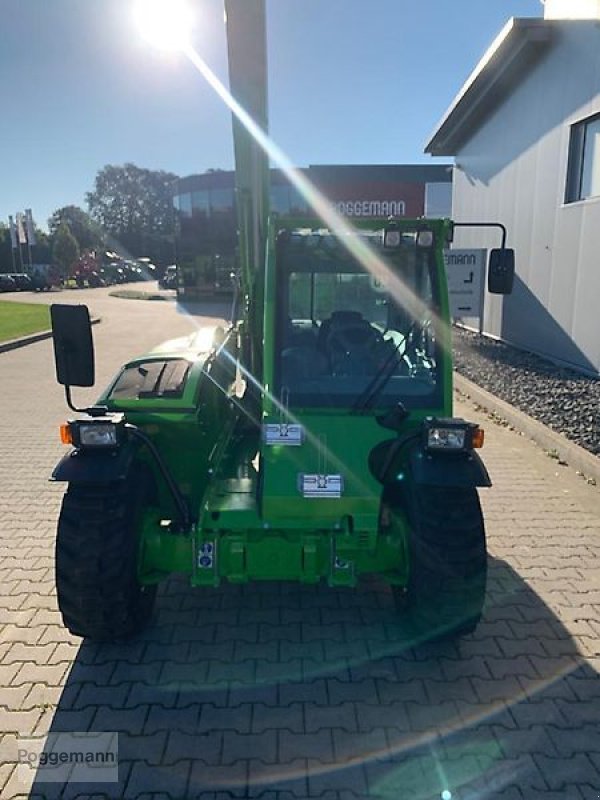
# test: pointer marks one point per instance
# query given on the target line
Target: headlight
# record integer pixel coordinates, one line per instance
(106, 431)
(451, 435)
(446, 439)
(98, 435)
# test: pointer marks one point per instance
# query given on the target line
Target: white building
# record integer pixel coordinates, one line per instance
(525, 134)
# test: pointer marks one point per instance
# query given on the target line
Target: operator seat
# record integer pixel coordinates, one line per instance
(351, 344)
(339, 320)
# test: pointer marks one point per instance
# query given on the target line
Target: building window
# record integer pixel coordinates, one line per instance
(185, 204)
(583, 179)
(200, 202)
(221, 200)
(280, 199)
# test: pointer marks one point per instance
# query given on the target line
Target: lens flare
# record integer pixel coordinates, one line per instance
(165, 24)
(334, 221)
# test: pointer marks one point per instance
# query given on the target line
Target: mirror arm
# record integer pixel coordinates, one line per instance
(485, 225)
(70, 401)
(93, 411)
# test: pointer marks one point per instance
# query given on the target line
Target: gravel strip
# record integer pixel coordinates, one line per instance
(561, 398)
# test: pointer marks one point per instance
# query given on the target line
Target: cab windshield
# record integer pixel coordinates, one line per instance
(343, 338)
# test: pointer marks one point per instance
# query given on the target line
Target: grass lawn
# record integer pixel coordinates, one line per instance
(20, 319)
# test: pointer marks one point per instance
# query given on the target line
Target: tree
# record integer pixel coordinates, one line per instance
(65, 249)
(42, 250)
(135, 206)
(88, 233)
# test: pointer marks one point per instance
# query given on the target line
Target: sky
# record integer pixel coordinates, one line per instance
(350, 82)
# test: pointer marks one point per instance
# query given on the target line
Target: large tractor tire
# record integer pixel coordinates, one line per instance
(97, 549)
(448, 562)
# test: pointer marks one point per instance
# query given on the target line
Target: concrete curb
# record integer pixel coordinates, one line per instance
(132, 294)
(23, 341)
(566, 451)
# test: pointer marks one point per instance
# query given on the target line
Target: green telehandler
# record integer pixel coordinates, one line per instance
(313, 440)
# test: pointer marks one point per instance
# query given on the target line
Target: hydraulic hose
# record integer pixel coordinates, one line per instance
(178, 498)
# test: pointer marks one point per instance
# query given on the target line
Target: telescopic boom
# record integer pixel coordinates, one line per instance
(247, 55)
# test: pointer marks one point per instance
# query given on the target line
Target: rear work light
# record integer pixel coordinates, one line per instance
(452, 435)
(92, 433)
(98, 434)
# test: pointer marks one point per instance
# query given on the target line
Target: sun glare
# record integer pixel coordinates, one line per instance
(165, 24)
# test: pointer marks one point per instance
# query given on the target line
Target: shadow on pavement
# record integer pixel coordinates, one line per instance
(219, 308)
(286, 691)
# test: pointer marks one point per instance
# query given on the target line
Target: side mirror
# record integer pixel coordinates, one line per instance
(501, 271)
(73, 345)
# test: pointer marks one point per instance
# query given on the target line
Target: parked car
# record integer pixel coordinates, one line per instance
(107, 276)
(95, 280)
(169, 278)
(23, 282)
(148, 269)
(7, 283)
(44, 277)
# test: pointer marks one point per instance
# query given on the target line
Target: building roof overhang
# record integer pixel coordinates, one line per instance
(518, 46)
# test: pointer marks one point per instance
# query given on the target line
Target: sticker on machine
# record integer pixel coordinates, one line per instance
(284, 433)
(330, 486)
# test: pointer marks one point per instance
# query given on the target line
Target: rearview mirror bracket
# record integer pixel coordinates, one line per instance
(501, 269)
(73, 350)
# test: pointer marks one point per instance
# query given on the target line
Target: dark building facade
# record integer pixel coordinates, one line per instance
(206, 206)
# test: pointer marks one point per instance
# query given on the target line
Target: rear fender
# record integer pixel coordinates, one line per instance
(80, 466)
(443, 469)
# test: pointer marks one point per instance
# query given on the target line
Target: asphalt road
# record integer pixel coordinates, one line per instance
(282, 691)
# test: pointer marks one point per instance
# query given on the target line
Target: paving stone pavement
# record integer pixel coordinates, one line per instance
(283, 692)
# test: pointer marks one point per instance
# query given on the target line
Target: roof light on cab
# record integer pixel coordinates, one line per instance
(392, 237)
(425, 238)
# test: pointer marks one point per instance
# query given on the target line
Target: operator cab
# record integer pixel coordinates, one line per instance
(348, 336)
